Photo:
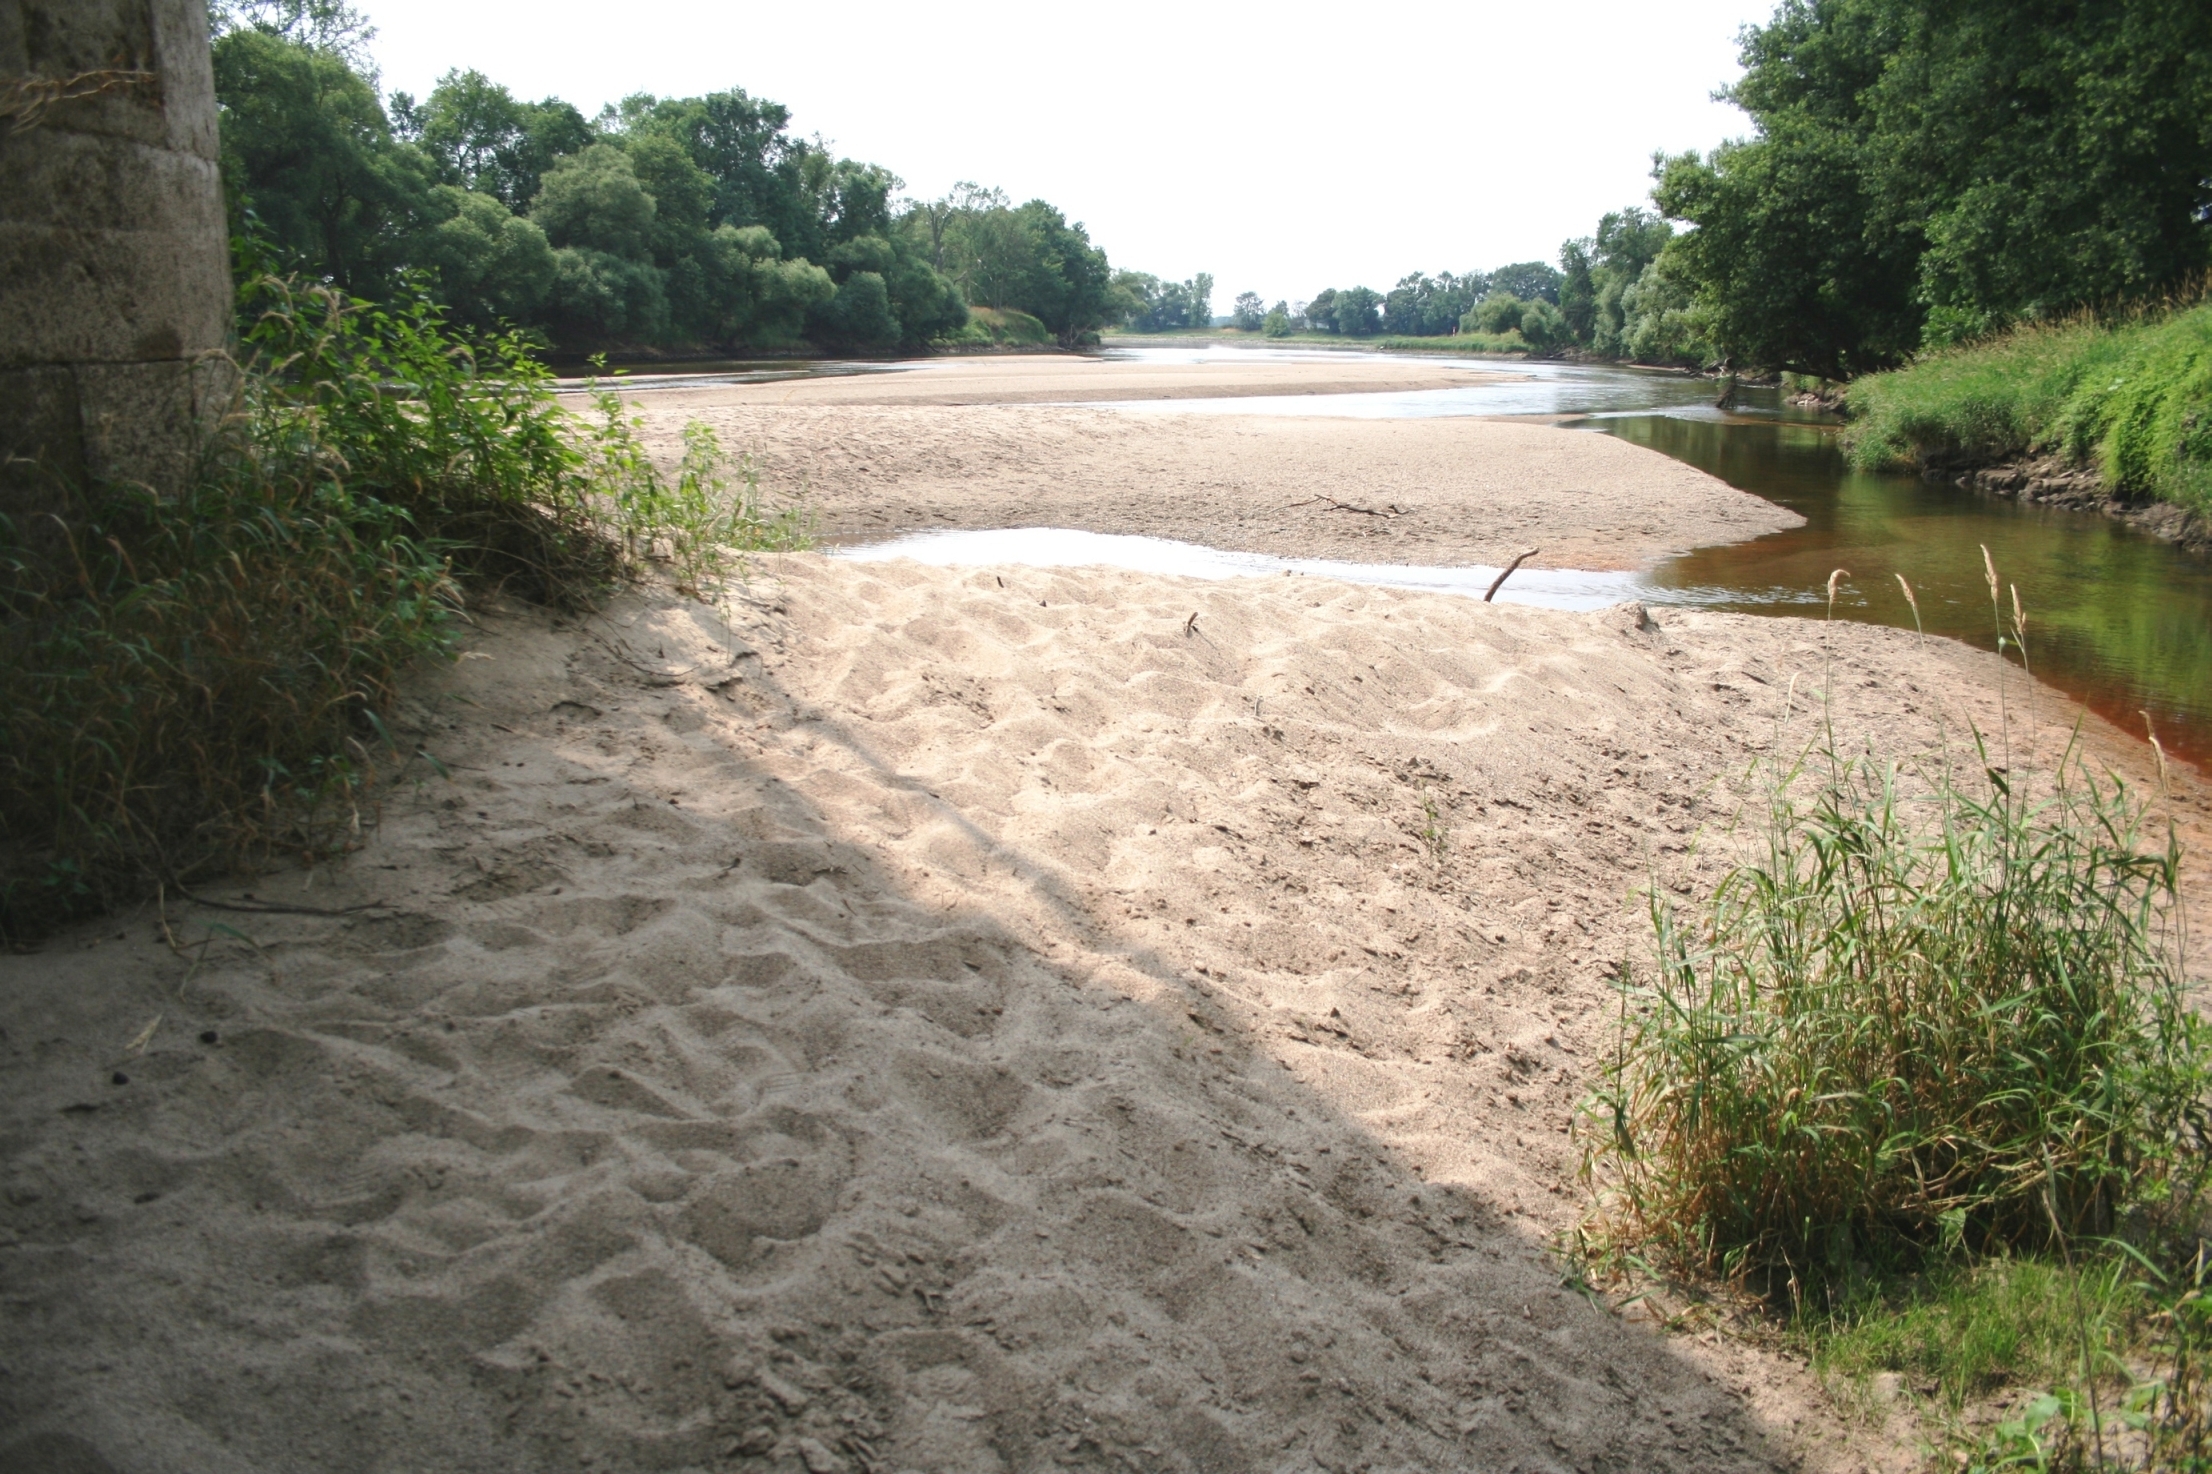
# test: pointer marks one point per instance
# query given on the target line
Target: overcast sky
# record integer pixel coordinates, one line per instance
(1281, 148)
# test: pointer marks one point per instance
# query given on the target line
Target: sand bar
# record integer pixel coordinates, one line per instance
(1060, 378)
(942, 1020)
(1437, 491)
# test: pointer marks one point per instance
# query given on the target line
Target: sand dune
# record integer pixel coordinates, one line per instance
(947, 1020)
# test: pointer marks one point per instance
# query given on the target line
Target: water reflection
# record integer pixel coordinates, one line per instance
(2115, 619)
(1523, 388)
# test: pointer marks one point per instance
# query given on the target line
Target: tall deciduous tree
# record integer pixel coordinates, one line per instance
(1923, 170)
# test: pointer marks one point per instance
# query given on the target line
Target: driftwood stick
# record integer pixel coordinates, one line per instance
(1507, 572)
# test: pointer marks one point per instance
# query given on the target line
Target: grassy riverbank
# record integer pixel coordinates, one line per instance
(2132, 399)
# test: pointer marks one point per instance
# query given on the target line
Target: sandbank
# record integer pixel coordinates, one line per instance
(1437, 491)
(1057, 378)
(937, 1020)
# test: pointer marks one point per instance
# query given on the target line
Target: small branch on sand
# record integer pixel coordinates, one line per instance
(1190, 625)
(1330, 503)
(1507, 572)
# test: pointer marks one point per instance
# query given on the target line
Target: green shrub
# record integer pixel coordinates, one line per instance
(2134, 398)
(1506, 342)
(1924, 1016)
(1000, 326)
(191, 683)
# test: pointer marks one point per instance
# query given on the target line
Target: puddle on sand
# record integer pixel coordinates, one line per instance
(1060, 547)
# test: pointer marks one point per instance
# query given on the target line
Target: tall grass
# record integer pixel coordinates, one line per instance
(191, 682)
(1935, 1008)
(1929, 1013)
(1924, 1069)
(2133, 398)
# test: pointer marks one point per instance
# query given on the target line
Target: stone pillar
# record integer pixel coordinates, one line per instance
(115, 294)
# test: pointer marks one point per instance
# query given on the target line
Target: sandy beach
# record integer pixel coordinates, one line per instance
(922, 1019)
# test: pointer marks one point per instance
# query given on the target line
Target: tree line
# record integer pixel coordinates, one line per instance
(1923, 172)
(1919, 173)
(694, 220)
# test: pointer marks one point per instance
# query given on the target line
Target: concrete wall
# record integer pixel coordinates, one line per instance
(114, 278)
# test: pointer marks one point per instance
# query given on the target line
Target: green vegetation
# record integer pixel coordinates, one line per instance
(1969, 1329)
(2133, 398)
(1000, 327)
(1613, 300)
(1923, 1070)
(663, 221)
(2104, 1356)
(1149, 305)
(1926, 1017)
(193, 683)
(1922, 174)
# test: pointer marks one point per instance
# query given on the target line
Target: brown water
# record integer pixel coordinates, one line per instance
(2117, 620)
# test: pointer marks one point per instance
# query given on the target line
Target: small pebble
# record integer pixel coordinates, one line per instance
(209, 1036)
(120, 1078)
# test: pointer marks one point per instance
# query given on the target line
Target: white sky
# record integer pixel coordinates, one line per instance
(1282, 148)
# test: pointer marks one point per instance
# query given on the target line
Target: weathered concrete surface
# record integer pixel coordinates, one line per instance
(114, 280)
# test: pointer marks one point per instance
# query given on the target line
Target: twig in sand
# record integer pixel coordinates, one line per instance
(1332, 504)
(143, 1037)
(1506, 573)
(1190, 625)
(279, 906)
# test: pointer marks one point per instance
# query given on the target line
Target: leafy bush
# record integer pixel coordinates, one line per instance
(2134, 397)
(191, 683)
(1000, 326)
(1917, 1019)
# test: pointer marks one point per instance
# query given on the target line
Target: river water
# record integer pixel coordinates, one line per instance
(2116, 619)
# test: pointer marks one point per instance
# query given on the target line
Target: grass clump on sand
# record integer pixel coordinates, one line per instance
(191, 682)
(1921, 1017)
(1923, 1071)
(2133, 398)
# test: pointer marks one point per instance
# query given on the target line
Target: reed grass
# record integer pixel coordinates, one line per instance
(1929, 1013)
(1923, 1071)
(191, 683)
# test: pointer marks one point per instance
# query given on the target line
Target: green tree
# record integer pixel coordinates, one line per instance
(1926, 169)
(1429, 306)
(306, 148)
(487, 264)
(600, 298)
(1531, 281)
(595, 200)
(481, 138)
(1499, 312)
(1356, 312)
(1578, 290)
(1543, 325)
(1277, 322)
(1249, 314)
